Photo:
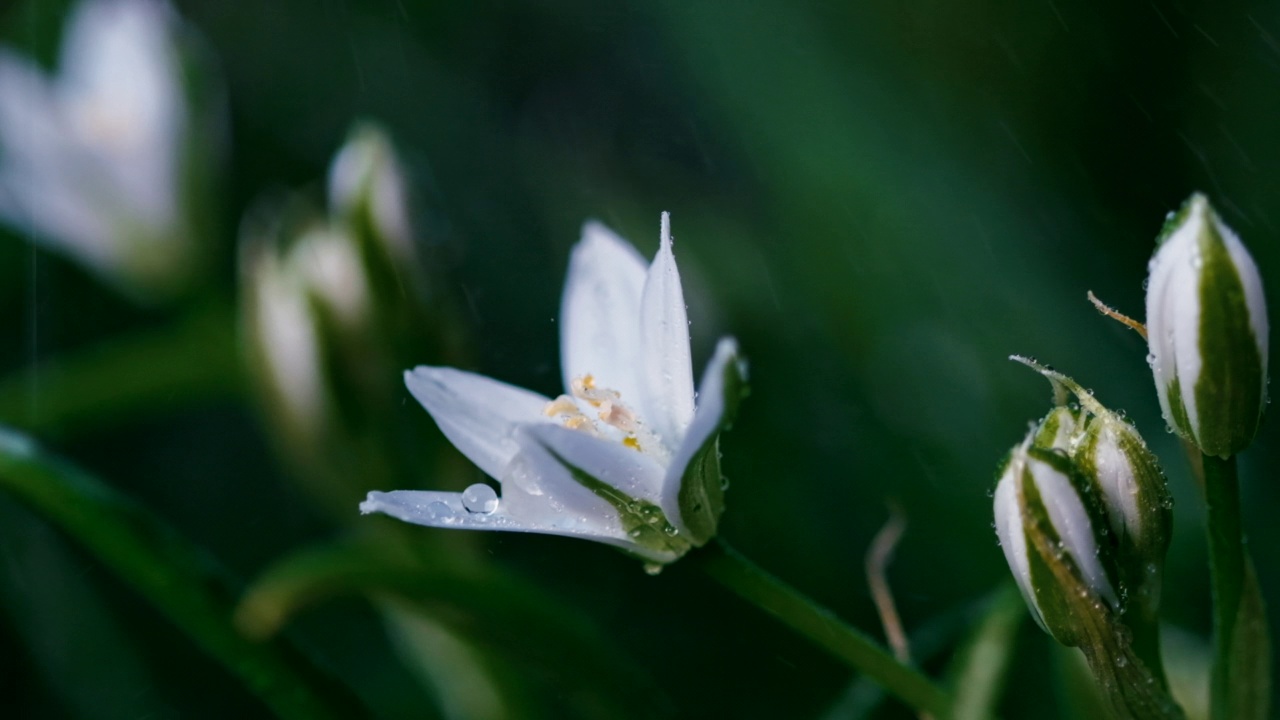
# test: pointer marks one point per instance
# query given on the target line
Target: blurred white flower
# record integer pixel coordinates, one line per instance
(1207, 330)
(367, 187)
(625, 457)
(91, 159)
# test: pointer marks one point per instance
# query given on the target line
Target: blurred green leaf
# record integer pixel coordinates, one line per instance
(979, 670)
(171, 573)
(147, 372)
(476, 601)
(1250, 691)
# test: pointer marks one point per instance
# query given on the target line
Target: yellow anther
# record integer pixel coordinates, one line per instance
(631, 442)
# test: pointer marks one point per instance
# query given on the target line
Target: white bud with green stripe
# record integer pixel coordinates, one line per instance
(1115, 459)
(626, 455)
(1050, 522)
(1207, 330)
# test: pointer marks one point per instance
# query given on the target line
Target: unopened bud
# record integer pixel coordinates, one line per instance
(1207, 330)
(1050, 523)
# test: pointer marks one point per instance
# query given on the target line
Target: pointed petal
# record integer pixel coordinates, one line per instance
(666, 369)
(691, 492)
(478, 415)
(600, 310)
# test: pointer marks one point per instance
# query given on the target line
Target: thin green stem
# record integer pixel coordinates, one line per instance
(1226, 569)
(820, 625)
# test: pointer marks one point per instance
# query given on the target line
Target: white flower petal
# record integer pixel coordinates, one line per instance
(1013, 539)
(632, 472)
(122, 99)
(706, 423)
(477, 414)
(1074, 527)
(666, 368)
(599, 312)
(446, 509)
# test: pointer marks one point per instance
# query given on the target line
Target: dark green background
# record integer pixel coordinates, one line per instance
(880, 200)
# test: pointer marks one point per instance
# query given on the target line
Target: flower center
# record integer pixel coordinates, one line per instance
(600, 412)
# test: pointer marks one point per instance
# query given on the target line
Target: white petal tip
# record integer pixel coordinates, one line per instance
(665, 236)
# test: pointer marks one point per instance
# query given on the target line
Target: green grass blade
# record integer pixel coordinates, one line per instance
(172, 574)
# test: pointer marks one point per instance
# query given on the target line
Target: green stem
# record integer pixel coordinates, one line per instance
(178, 578)
(1146, 645)
(1226, 569)
(821, 626)
(140, 373)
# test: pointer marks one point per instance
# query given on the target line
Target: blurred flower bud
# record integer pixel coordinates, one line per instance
(111, 161)
(1207, 330)
(1050, 526)
(367, 189)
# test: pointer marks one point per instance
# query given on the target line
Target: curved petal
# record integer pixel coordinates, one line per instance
(719, 393)
(599, 312)
(446, 510)
(1013, 539)
(479, 415)
(666, 368)
(632, 472)
(1073, 524)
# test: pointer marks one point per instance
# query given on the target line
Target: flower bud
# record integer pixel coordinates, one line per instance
(1050, 523)
(367, 189)
(1124, 474)
(1059, 430)
(1113, 456)
(1207, 331)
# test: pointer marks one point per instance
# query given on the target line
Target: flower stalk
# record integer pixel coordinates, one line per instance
(731, 569)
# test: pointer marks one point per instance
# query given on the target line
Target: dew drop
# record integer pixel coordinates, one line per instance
(442, 513)
(480, 499)
(652, 568)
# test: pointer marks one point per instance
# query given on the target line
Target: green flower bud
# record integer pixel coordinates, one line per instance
(1207, 331)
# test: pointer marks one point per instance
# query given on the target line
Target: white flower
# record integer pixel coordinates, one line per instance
(626, 456)
(1041, 495)
(1207, 330)
(90, 159)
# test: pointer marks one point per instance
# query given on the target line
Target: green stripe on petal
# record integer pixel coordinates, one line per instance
(643, 521)
(1229, 390)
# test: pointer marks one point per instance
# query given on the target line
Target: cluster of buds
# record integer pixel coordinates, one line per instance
(329, 301)
(1084, 517)
(1083, 511)
(1097, 490)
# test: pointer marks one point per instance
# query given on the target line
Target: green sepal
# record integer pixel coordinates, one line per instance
(702, 485)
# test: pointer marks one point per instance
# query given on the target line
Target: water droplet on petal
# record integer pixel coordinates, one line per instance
(480, 499)
(440, 512)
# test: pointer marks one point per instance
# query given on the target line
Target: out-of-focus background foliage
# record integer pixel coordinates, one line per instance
(881, 200)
